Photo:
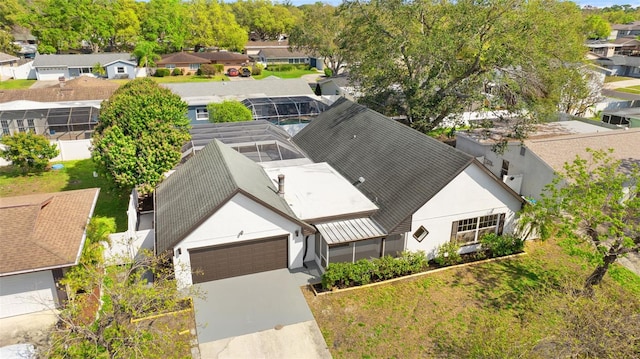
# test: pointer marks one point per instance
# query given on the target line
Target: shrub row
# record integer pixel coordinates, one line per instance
(365, 271)
(162, 72)
(288, 67)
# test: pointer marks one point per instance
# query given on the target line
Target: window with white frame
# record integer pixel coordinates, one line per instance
(5, 127)
(31, 124)
(120, 70)
(170, 66)
(21, 127)
(194, 66)
(470, 230)
(202, 114)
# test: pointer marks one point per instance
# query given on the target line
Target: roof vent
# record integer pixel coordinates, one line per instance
(359, 181)
(281, 185)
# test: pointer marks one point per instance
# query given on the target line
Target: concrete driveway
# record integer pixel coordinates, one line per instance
(262, 315)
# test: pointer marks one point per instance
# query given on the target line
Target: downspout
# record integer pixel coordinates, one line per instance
(304, 256)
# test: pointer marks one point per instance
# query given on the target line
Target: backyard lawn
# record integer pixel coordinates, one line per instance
(517, 308)
(633, 89)
(74, 175)
(617, 78)
(16, 84)
(291, 74)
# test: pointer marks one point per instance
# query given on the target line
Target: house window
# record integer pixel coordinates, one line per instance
(21, 127)
(120, 70)
(523, 150)
(470, 230)
(5, 127)
(170, 66)
(505, 168)
(420, 234)
(202, 114)
(31, 124)
(194, 66)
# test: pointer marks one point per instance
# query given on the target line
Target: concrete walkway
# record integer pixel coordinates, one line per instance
(28, 328)
(621, 84)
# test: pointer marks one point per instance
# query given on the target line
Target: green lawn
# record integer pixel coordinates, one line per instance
(16, 84)
(633, 89)
(517, 308)
(180, 79)
(617, 78)
(74, 175)
(293, 74)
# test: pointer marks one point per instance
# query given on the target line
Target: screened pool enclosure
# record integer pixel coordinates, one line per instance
(284, 110)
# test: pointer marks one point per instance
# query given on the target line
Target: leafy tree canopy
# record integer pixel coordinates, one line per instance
(596, 27)
(320, 32)
(28, 151)
(228, 111)
(211, 24)
(140, 133)
(595, 200)
(430, 60)
(264, 19)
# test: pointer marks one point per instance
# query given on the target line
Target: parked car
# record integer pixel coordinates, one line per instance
(245, 72)
(233, 72)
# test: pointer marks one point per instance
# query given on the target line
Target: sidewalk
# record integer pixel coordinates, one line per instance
(621, 84)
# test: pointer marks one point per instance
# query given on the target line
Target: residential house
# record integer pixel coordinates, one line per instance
(368, 187)
(190, 62)
(7, 65)
(54, 67)
(252, 48)
(625, 30)
(528, 166)
(27, 42)
(628, 117)
(628, 46)
(340, 86)
(187, 62)
(8, 60)
(276, 56)
(289, 102)
(42, 237)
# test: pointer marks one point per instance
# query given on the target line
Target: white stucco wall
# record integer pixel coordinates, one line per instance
(536, 174)
(129, 70)
(472, 193)
(240, 219)
(27, 293)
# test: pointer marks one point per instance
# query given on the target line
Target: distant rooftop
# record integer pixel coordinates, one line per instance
(504, 129)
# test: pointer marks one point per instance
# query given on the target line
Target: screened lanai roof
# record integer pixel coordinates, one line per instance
(285, 110)
(55, 121)
(259, 140)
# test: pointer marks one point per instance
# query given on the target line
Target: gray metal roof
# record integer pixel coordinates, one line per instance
(260, 88)
(350, 230)
(401, 167)
(80, 60)
(199, 187)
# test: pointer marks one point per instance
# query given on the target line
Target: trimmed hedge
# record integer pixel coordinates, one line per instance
(162, 72)
(288, 67)
(365, 271)
(176, 72)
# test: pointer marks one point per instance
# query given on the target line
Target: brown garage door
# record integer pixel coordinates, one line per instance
(234, 259)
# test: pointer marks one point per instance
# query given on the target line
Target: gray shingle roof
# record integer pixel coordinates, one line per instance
(83, 60)
(204, 183)
(402, 168)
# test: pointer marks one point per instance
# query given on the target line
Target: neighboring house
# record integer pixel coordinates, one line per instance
(340, 86)
(191, 61)
(628, 46)
(8, 60)
(187, 62)
(625, 30)
(27, 42)
(83, 88)
(277, 56)
(225, 58)
(42, 237)
(8, 65)
(280, 101)
(369, 187)
(529, 166)
(252, 48)
(621, 65)
(628, 117)
(53, 67)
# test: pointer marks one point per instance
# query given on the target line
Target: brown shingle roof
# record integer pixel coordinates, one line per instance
(281, 53)
(222, 56)
(45, 230)
(556, 151)
(79, 89)
(181, 58)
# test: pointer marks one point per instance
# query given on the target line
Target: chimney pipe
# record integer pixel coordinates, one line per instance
(281, 185)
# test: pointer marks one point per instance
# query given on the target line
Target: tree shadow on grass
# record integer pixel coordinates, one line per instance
(112, 201)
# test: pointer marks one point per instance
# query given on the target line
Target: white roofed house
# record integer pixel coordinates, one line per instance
(55, 67)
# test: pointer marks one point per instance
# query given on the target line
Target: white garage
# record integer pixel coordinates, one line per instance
(27, 293)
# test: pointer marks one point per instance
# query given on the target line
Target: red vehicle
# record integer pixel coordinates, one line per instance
(233, 72)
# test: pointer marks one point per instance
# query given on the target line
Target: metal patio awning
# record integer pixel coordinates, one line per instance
(350, 230)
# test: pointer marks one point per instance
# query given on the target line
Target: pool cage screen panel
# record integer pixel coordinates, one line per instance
(69, 123)
(285, 110)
